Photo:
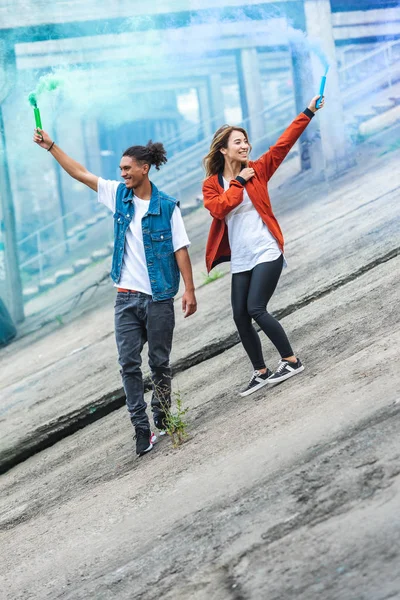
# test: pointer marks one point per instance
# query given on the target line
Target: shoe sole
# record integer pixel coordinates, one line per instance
(153, 440)
(287, 376)
(146, 451)
(253, 389)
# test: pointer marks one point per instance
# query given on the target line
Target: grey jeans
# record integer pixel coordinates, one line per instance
(139, 320)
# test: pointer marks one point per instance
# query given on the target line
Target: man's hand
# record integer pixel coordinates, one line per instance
(247, 173)
(42, 139)
(189, 304)
(312, 105)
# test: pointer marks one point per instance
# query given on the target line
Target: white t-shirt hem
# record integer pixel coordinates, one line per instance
(249, 237)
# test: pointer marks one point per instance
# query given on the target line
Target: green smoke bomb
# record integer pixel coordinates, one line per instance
(38, 121)
(33, 102)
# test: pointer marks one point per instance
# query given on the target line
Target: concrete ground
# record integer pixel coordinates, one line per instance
(290, 493)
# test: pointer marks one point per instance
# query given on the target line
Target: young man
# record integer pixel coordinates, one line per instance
(150, 249)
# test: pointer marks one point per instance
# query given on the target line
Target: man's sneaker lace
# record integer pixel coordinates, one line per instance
(257, 381)
(285, 370)
(144, 440)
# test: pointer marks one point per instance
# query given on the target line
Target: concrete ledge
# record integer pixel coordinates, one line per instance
(63, 274)
(81, 264)
(380, 122)
(70, 422)
(100, 254)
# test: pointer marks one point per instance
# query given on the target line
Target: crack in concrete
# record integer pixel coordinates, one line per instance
(70, 423)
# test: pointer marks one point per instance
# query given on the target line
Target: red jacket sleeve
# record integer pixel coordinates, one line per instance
(270, 161)
(219, 204)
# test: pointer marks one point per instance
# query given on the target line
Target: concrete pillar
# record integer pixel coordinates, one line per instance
(251, 92)
(171, 128)
(310, 147)
(10, 279)
(334, 141)
(204, 110)
(164, 131)
(69, 133)
(92, 146)
(157, 131)
(216, 101)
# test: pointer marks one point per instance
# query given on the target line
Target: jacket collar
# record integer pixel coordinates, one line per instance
(221, 178)
(154, 207)
(127, 195)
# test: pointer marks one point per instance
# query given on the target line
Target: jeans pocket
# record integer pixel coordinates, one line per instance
(121, 299)
(162, 313)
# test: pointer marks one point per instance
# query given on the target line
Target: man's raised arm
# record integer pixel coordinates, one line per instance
(73, 168)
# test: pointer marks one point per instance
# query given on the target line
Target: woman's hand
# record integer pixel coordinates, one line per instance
(312, 105)
(42, 139)
(247, 173)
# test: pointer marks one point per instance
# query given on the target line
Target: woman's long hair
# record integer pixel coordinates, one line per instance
(214, 161)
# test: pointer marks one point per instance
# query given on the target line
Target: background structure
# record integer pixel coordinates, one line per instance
(170, 71)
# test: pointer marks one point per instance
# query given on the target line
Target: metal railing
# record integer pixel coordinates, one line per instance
(43, 239)
(179, 168)
(380, 67)
(376, 69)
(190, 135)
(190, 160)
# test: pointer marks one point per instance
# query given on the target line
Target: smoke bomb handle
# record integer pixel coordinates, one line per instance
(38, 120)
(321, 91)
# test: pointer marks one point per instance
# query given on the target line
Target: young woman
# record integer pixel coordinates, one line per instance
(245, 231)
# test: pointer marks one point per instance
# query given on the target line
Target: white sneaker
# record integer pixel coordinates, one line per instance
(257, 381)
(285, 370)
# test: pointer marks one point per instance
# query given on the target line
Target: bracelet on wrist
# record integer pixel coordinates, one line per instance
(48, 149)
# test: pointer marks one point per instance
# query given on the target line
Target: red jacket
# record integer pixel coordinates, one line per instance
(220, 203)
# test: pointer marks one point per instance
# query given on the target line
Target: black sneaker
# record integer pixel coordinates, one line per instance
(144, 440)
(160, 423)
(285, 370)
(257, 381)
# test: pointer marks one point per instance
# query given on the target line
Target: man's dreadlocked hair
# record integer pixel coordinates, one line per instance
(151, 154)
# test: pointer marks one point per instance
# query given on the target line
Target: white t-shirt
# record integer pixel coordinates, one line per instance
(250, 240)
(134, 274)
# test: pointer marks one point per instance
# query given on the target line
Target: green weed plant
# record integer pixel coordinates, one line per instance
(176, 425)
(212, 277)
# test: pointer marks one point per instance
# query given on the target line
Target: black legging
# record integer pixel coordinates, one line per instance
(251, 292)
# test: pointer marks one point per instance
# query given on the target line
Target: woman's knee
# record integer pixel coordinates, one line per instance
(242, 320)
(256, 312)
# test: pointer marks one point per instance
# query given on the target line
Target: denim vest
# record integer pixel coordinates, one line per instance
(157, 239)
